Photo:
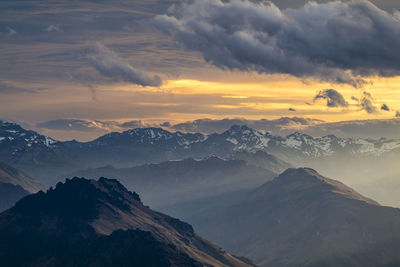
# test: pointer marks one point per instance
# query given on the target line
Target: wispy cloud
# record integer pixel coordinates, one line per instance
(366, 103)
(11, 31)
(109, 64)
(7, 88)
(53, 28)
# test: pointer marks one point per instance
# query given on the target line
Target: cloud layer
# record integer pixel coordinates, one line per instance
(284, 126)
(338, 42)
(109, 64)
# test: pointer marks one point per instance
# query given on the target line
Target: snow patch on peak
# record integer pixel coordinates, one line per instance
(232, 140)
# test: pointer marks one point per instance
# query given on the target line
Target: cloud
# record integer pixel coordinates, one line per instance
(285, 126)
(11, 89)
(77, 125)
(93, 92)
(358, 128)
(132, 124)
(109, 64)
(337, 42)
(279, 126)
(385, 107)
(53, 28)
(366, 103)
(86, 125)
(11, 31)
(333, 98)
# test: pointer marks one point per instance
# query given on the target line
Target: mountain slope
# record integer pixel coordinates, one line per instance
(176, 181)
(10, 194)
(262, 159)
(13, 176)
(99, 223)
(39, 155)
(300, 219)
(14, 185)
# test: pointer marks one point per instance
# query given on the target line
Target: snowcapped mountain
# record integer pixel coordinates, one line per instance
(149, 136)
(42, 156)
(33, 153)
(244, 138)
(14, 135)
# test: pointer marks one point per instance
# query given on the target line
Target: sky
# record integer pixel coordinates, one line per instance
(174, 61)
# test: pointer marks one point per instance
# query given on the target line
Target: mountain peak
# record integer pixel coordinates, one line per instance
(307, 178)
(300, 172)
(79, 198)
(82, 212)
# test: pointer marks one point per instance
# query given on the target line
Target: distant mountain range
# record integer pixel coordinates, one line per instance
(100, 223)
(14, 185)
(300, 218)
(46, 158)
(169, 182)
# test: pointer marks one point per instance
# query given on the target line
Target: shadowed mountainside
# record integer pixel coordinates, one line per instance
(14, 185)
(99, 223)
(176, 181)
(299, 219)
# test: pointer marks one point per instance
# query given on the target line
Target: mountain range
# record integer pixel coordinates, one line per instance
(170, 182)
(100, 223)
(300, 218)
(45, 158)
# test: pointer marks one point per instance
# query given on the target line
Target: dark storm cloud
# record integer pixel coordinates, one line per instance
(333, 98)
(339, 42)
(385, 107)
(109, 64)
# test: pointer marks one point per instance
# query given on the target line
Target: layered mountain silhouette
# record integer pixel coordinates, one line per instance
(45, 158)
(14, 185)
(99, 223)
(176, 181)
(262, 159)
(299, 218)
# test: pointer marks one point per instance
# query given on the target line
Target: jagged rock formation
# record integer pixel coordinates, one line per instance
(99, 223)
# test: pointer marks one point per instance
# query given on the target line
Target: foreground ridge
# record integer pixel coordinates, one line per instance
(100, 223)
